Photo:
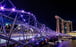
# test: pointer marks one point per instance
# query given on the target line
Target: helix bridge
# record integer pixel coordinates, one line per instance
(21, 28)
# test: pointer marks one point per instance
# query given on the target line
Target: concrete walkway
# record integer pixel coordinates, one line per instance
(69, 43)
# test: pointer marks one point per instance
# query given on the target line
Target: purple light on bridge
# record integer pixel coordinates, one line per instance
(23, 19)
(32, 14)
(33, 39)
(13, 9)
(29, 13)
(37, 43)
(2, 8)
(22, 11)
(21, 15)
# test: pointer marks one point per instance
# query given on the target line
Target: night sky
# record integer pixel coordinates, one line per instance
(45, 10)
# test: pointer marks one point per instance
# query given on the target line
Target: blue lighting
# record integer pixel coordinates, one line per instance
(23, 19)
(42, 38)
(7, 24)
(21, 15)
